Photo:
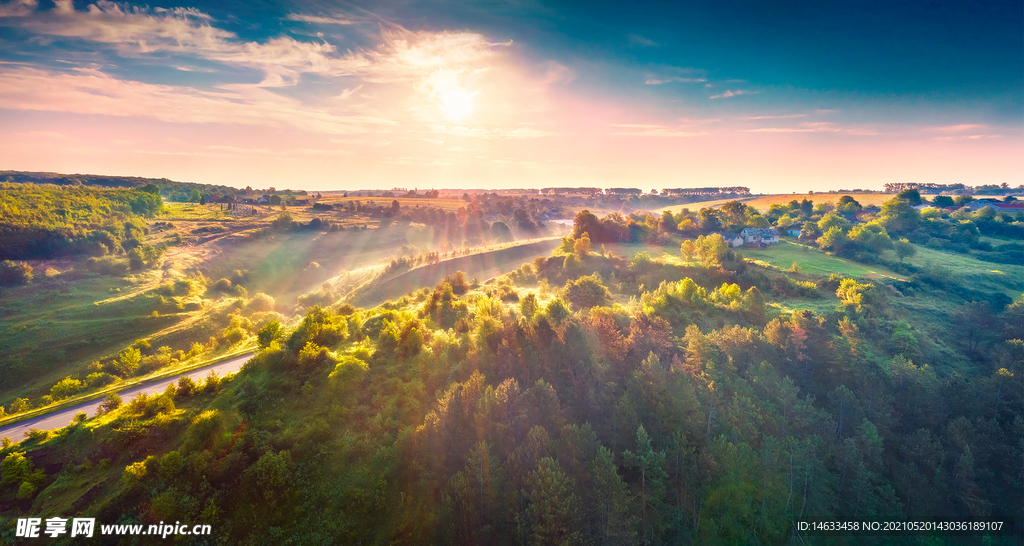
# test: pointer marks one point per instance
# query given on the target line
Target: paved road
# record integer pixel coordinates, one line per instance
(63, 417)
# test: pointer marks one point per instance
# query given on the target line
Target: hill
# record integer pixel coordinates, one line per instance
(703, 408)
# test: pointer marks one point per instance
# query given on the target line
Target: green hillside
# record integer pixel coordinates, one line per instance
(533, 408)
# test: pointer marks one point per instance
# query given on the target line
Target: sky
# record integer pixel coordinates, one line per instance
(784, 96)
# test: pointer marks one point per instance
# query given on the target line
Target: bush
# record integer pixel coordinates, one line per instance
(234, 335)
(261, 302)
(222, 285)
(212, 384)
(108, 265)
(586, 292)
(110, 403)
(19, 405)
(186, 386)
(128, 361)
(15, 273)
(65, 387)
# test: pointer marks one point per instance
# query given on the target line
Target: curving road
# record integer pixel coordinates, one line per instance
(63, 417)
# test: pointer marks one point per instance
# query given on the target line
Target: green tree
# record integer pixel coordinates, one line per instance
(834, 240)
(851, 293)
(270, 474)
(269, 333)
(688, 249)
(65, 387)
(553, 513)
(899, 216)
(500, 232)
(832, 220)
(647, 464)
(127, 362)
(904, 249)
(712, 250)
(586, 292)
(611, 518)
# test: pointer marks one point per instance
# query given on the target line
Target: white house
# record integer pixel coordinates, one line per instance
(733, 239)
(754, 236)
(794, 230)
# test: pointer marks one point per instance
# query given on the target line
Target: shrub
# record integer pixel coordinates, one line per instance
(586, 292)
(270, 332)
(186, 386)
(128, 361)
(19, 405)
(15, 273)
(65, 387)
(212, 384)
(261, 302)
(110, 403)
(222, 285)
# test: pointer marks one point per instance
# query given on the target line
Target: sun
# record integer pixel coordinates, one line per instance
(456, 103)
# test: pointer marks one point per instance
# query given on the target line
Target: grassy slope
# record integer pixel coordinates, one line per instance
(814, 261)
(85, 490)
(481, 265)
(988, 276)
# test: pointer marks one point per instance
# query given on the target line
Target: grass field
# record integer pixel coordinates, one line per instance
(762, 203)
(405, 202)
(992, 277)
(813, 261)
(56, 328)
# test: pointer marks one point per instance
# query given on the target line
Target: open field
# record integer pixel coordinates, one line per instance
(813, 261)
(988, 276)
(479, 265)
(445, 204)
(762, 203)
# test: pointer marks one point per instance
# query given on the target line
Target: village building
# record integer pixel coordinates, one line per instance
(795, 229)
(760, 236)
(733, 239)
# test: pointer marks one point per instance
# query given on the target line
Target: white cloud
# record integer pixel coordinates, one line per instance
(790, 116)
(731, 93)
(960, 128)
(662, 81)
(89, 91)
(320, 20)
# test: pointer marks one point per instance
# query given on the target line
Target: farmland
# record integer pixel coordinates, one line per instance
(763, 202)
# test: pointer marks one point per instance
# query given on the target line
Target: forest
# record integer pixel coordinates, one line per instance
(605, 394)
(48, 221)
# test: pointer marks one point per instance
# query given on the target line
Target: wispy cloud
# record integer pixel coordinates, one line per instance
(674, 79)
(732, 93)
(815, 127)
(639, 40)
(644, 130)
(662, 75)
(188, 31)
(790, 116)
(960, 128)
(89, 91)
(321, 20)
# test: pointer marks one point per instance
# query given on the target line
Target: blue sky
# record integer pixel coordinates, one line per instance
(783, 96)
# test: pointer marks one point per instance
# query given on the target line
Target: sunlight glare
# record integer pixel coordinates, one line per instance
(456, 103)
